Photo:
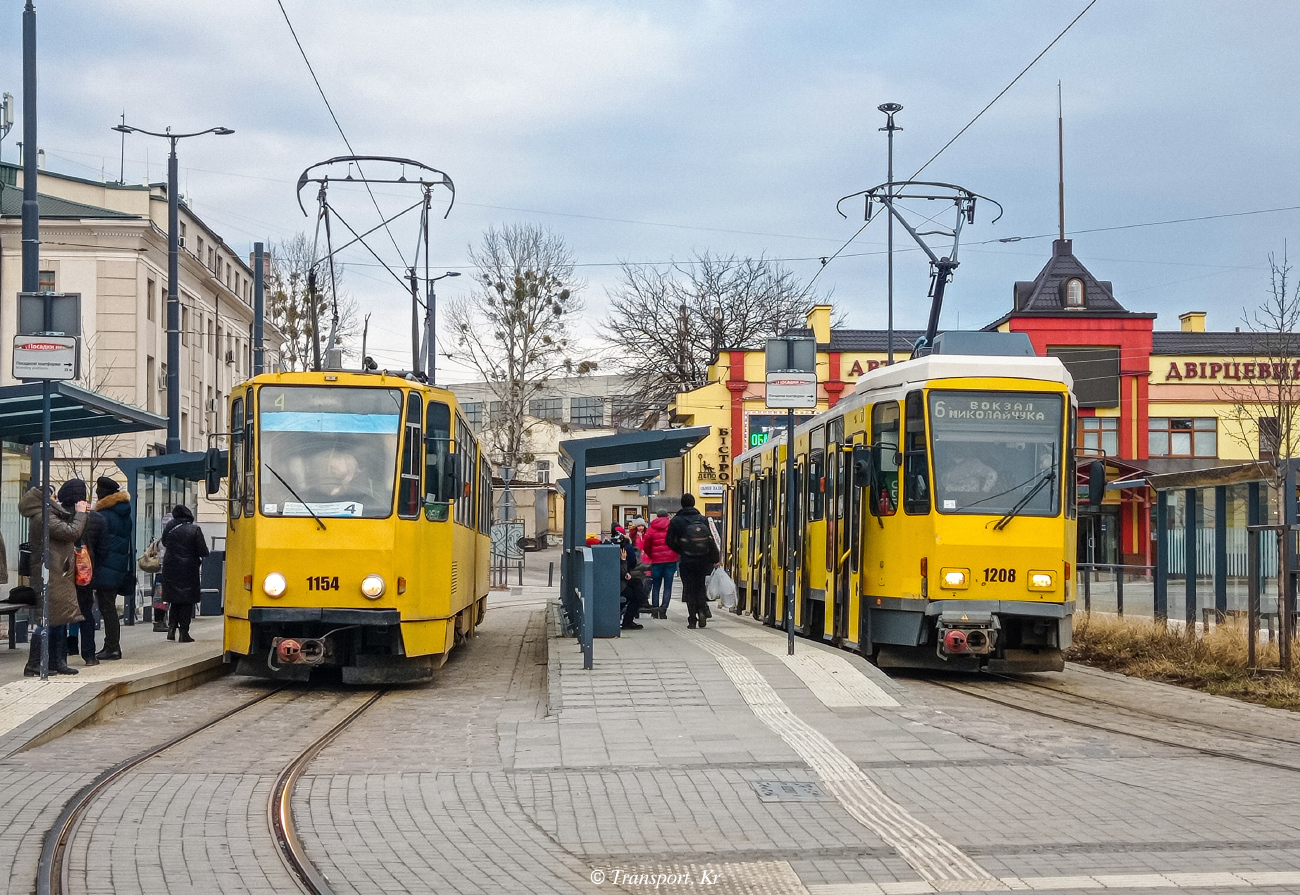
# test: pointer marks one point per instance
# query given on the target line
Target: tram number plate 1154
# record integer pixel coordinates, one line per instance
(322, 582)
(999, 574)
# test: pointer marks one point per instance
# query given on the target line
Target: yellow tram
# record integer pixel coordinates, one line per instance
(935, 513)
(358, 534)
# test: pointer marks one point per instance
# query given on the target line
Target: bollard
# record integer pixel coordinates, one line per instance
(550, 574)
(521, 573)
(1119, 591)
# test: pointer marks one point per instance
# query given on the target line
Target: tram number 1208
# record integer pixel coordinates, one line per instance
(322, 582)
(999, 574)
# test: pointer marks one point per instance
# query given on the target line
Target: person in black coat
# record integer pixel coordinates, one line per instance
(184, 547)
(110, 547)
(696, 560)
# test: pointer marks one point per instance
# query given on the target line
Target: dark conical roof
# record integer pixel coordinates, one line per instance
(1046, 294)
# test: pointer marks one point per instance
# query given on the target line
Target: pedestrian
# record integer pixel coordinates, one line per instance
(633, 590)
(185, 546)
(66, 526)
(691, 538)
(84, 641)
(114, 562)
(663, 564)
(636, 530)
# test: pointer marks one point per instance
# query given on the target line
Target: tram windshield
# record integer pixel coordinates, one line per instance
(328, 451)
(996, 452)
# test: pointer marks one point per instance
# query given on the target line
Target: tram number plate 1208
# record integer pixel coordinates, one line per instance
(322, 582)
(999, 574)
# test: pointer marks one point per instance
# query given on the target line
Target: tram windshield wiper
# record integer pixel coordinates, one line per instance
(1046, 477)
(295, 495)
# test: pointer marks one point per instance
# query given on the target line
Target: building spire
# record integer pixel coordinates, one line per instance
(1060, 158)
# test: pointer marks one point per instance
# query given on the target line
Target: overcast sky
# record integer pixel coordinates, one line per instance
(644, 132)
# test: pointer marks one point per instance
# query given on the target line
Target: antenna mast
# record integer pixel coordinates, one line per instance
(1060, 158)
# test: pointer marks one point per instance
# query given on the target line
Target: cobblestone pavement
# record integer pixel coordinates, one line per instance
(686, 761)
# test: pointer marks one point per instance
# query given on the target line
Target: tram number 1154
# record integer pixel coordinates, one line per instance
(322, 582)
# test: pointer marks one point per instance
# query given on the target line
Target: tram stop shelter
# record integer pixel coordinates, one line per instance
(577, 457)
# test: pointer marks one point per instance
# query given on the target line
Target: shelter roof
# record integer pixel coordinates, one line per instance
(75, 412)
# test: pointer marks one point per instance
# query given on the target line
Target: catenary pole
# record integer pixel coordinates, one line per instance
(889, 109)
(789, 529)
(259, 310)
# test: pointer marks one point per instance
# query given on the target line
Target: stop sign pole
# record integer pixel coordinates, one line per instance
(791, 385)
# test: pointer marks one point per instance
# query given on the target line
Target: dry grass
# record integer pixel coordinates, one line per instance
(1214, 663)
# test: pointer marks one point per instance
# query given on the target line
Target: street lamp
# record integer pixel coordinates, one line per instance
(431, 326)
(173, 278)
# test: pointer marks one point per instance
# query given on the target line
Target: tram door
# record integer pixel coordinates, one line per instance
(759, 579)
(840, 495)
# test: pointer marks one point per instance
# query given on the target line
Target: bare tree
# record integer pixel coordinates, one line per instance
(1265, 398)
(89, 458)
(669, 323)
(289, 306)
(515, 328)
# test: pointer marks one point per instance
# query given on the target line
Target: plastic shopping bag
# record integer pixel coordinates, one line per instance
(720, 587)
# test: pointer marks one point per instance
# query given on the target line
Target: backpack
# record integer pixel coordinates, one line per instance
(697, 539)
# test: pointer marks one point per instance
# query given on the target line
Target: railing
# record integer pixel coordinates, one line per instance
(576, 608)
(1112, 577)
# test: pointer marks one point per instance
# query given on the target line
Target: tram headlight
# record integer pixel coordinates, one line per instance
(955, 579)
(273, 585)
(373, 586)
(1041, 580)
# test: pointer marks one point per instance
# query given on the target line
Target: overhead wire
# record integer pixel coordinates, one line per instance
(337, 125)
(977, 117)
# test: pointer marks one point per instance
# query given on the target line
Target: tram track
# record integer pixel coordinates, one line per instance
(53, 868)
(975, 691)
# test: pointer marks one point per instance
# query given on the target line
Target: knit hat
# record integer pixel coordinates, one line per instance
(105, 486)
(637, 521)
(72, 491)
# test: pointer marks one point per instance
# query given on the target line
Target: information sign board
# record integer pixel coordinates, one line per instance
(46, 357)
(791, 390)
(712, 489)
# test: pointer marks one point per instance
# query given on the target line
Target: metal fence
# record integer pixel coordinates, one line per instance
(507, 552)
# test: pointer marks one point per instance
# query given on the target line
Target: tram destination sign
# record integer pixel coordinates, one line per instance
(46, 357)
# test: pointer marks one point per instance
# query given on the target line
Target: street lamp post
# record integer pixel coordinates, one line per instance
(431, 326)
(173, 278)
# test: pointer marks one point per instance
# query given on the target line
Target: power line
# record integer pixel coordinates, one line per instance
(963, 130)
(335, 119)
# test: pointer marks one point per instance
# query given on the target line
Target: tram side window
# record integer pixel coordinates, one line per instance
(916, 459)
(408, 495)
(817, 474)
(249, 487)
(1071, 467)
(485, 496)
(437, 474)
(236, 477)
(884, 485)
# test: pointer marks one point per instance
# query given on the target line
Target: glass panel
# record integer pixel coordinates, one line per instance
(408, 498)
(1176, 425)
(330, 450)
(1110, 443)
(884, 429)
(1158, 422)
(1205, 443)
(995, 452)
(1158, 444)
(1205, 423)
(916, 460)
(235, 476)
(437, 490)
(1180, 444)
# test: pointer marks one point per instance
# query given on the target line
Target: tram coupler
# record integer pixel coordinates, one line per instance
(299, 651)
(967, 633)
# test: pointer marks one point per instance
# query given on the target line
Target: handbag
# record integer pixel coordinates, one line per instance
(149, 562)
(85, 567)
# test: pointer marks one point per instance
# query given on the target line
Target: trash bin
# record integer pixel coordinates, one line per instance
(212, 577)
(607, 616)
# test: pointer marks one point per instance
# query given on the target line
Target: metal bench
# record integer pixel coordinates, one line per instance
(11, 610)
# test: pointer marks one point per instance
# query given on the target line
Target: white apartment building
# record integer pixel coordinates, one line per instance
(108, 242)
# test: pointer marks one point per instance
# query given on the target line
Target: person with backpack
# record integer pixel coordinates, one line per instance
(691, 538)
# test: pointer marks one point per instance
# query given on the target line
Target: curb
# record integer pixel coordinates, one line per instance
(113, 698)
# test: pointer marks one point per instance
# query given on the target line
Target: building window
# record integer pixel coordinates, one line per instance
(546, 408)
(544, 472)
(150, 383)
(185, 326)
(587, 411)
(45, 281)
(199, 254)
(210, 261)
(473, 412)
(628, 413)
(1270, 436)
(496, 413)
(1099, 435)
(1074, 293)
(151, 297)
(1186, 437)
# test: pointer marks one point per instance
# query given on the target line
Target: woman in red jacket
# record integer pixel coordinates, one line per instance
(663, 564)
